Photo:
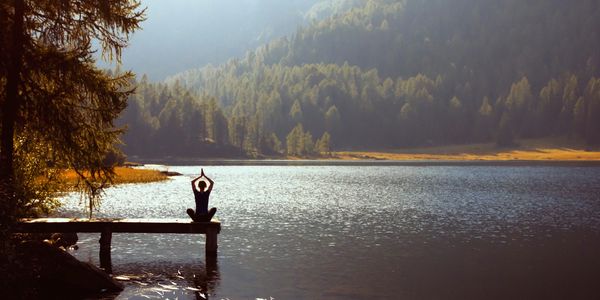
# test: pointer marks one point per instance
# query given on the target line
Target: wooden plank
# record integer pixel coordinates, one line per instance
(117, 225)
(107, 226)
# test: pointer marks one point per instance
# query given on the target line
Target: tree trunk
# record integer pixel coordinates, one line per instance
(11, 103)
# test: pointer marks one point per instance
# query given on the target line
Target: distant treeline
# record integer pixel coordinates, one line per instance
(167, 120)
(392, 73)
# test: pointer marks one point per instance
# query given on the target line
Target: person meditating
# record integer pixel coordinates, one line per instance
(201, 194)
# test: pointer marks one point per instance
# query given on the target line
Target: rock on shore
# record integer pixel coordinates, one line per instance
(57, 273)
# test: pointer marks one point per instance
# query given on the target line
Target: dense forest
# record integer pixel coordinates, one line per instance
(388, 74)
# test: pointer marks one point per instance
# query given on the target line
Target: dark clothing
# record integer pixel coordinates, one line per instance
(202, 214)
(202, 217)
(201, 201)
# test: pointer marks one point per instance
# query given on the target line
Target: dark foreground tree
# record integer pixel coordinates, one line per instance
(57, 109)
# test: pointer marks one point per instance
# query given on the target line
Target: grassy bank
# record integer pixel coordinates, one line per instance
(124, 175)
(531, 149)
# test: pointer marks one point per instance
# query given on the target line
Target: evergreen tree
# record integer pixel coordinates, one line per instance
(580, 116)
(51, 91)
(324, 144)
(518, 103)
(333, 120)
(569, 99)
(308, 144)
(592, 129)
(296, 114)
(295, 141)
(484, 123)
(275, 144)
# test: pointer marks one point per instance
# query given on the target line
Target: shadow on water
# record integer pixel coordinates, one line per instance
(561, 266)
(161, 280)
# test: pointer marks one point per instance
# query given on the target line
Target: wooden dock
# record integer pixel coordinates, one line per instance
(107, 226)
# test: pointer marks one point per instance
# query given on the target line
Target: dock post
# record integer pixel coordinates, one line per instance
(105, 259)
(211, 242)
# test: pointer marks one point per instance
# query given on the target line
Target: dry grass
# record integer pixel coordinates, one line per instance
(533, 149)
(124, 175)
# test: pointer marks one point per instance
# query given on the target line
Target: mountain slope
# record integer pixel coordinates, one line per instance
(416, 72)
(182, 34)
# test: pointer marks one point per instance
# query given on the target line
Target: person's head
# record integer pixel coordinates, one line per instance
(202, 186)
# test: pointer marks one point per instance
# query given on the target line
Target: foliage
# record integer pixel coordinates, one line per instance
(409, 73)
(323, 145)
(168, 120)
(57, 108)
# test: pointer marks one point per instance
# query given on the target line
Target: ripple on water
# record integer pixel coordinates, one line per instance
(278, 219)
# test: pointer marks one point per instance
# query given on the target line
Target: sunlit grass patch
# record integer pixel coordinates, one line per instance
(129, 175)
(532, 149)
(123, 175)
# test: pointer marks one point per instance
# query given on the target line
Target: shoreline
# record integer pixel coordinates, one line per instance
(534, 155)
(556, 151)
(367, 162)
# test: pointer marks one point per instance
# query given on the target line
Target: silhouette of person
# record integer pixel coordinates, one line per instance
(201, 194)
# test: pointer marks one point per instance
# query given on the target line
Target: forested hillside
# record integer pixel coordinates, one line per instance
(400, 73)
(167, 120)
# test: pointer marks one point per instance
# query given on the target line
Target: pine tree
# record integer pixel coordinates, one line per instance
(518, 102)
(592, 130)
(275, 143)
(308, 144)
(333, 120)
(296, 114)
(484, 121)
(569, 99)
(51, 88)
(324, 144)
(296, 141)
(580, 117)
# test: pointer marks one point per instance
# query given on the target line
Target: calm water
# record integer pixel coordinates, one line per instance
(365, 232)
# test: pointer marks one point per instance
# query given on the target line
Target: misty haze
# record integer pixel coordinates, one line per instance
(336, 149)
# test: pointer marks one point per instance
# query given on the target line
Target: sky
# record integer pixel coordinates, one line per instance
(183, 34)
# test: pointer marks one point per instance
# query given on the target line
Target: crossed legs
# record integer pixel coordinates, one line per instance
(202, 217)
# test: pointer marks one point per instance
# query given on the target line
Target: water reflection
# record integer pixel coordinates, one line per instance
(156, 266)
(165, 280)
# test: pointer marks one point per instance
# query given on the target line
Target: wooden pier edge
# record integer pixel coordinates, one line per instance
(106, 227)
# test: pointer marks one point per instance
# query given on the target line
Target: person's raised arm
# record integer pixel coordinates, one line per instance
(211, 183)
(194, 186)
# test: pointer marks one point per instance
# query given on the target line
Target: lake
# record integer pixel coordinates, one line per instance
(364, 231)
